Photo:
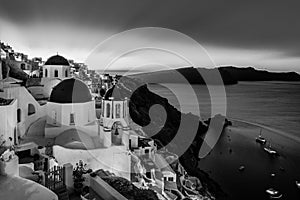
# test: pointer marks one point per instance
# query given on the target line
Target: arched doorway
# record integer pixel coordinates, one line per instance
(31, 109)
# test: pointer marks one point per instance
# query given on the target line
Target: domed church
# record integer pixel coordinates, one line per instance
(70, 106)
(56, 67)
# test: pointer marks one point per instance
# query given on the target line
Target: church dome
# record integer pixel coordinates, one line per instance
(57, 60)
(70, 91)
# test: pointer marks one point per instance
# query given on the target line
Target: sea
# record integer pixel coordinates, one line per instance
(272, 104)
(270, 108)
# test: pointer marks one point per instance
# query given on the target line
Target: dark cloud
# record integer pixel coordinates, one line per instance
(256, 25)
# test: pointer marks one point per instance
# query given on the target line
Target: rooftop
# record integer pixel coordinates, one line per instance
(5, 102)
(70, 91)
(57, 60)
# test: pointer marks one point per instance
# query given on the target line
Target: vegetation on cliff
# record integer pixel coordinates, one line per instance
(128, 190)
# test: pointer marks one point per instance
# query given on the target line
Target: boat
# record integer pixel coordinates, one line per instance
(298, 184)
(242, 168)
(260, 139)
(270, 151)
(273, 194)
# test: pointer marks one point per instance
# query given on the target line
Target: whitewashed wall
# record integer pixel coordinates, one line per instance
(8, 121)
(114, 159)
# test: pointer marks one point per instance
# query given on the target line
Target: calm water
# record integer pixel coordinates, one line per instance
(274, 104)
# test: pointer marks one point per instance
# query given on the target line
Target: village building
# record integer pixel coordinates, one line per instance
(58, 110)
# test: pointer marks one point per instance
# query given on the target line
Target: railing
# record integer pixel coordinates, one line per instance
(55, 178)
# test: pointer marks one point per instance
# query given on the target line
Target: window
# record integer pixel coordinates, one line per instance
(171, 179)
(148, 174)
(46, 72)
(146, 150)
(31, 109)
(23, 66)
(112, 111)
(102, 108)
(15, 136)
(19, 116)
(66, 73)
(72, 118)
(107, 110)
(56, 73)
(124, 111)
(118, 110)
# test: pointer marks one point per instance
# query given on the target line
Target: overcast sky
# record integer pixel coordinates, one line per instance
(263, 34)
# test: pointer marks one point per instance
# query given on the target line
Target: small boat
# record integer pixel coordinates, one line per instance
(270, 151)
(273, 194)
(260, 139)
(298, 184)
(242, 168)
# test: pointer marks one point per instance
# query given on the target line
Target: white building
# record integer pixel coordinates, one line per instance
(56, 67)
(27, 109)
(8, 121)
(115, 118)
(71, 107)
(142, 146)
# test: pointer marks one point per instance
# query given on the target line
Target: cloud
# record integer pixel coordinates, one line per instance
(257, 26)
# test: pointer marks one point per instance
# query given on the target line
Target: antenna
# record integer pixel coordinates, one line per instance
(260, 131)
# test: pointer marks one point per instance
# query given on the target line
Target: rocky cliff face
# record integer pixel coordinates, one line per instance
(251, 74)
(165, 124)
(189, 75)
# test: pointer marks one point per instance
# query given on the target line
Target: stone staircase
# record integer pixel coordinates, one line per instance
(62, 193)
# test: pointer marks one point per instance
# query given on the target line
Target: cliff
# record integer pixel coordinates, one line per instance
(252, 74)
(164, 130)
(185, 75)
(230, 75)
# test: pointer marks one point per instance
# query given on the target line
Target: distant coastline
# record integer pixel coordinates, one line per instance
(230, 75)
